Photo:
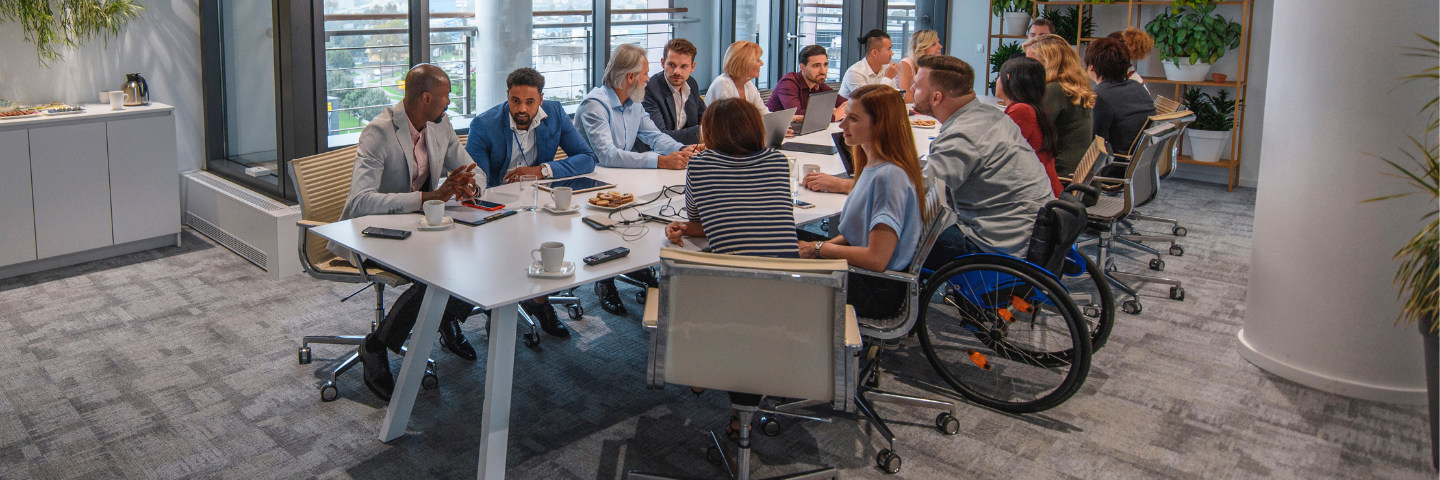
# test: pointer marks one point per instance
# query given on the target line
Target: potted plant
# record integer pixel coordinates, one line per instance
(1015, 15)
(1214, 120)
(998, 59)
(1419, 274)
(1189, 43)
(1070, 24)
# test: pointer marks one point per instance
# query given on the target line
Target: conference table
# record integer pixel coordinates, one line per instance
(486, 266)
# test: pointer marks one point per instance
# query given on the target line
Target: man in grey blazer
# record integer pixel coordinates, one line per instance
(398, 164)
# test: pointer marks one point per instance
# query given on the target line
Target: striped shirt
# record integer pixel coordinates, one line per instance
(743, 203)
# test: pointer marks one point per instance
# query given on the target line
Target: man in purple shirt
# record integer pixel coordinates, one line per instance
(795, 88)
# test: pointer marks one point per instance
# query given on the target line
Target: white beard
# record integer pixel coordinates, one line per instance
(637, 91)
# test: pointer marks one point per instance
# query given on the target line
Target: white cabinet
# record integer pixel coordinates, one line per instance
(70, 180)
(17, 214)
(144, 186)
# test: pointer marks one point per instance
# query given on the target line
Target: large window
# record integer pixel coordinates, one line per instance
(818, 23)
(753, 24)
(240, 95)
(561, 47)
(367, 52)
(900, 23)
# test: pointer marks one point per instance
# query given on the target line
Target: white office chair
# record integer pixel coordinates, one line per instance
(727, 322)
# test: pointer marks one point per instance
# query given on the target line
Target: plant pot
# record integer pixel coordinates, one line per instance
(1218, 77)
(1205, 145)
(1181, 70)
(1016, 23)
(1432, 384)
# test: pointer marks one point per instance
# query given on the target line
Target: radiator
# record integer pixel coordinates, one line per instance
(253, 226)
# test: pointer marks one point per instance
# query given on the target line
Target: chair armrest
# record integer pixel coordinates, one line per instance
(1113, 180)
(651, 320)
(888, 274)
(309, 223)
(852, 328)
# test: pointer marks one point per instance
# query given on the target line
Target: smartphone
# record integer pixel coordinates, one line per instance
(386, 233)
(483, 205)
(803, 204)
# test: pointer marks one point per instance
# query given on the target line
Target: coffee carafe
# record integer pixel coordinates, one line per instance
(137, 92)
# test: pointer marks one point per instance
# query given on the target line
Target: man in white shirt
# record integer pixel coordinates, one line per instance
(874, 68)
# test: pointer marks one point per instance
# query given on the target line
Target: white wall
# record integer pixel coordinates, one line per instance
(1321, 306)
(163, 45)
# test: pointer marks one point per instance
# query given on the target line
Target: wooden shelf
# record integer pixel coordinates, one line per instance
(1231, 84)
(1042, 3)
(1223, 163)
(1020, 37)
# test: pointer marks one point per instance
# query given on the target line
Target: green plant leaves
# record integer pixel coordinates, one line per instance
(1214, 113)
(1066, 21)
(53, 25)
(999, 7)
(1199, 35)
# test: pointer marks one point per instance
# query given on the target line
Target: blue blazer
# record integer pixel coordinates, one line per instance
(660, 104)
(490, 143)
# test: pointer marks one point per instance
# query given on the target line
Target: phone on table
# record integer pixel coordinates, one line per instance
(803, 204)
(483, 205)
(386, 233)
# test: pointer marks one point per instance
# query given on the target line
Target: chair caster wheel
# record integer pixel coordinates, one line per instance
(1110, 266)
(770, 426)
(1179, 231)
(713, 455)
(640, 297)
(303, 355)
(888, 461)
(531, 340)
(947, 423)
(328, 392)
(1131, 307)
(1157, 265)
(576, 312)
(430, 381)
(1092, 311)
(1177, 250)
(1177, 293)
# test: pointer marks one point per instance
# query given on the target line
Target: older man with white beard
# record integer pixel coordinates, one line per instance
(611, 117)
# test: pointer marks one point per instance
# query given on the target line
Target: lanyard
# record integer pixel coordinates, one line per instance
(516, 136)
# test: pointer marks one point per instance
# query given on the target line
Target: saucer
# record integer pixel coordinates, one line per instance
(445, 224)
(550, 207)
(536, 271)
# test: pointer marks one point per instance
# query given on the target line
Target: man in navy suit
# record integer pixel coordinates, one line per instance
(673, 87)
(519, 137)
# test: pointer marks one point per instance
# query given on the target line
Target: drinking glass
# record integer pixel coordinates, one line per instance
(528, 192)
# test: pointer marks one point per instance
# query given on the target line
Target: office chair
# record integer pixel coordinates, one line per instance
(1138, 187)
(727, 322)
(1095, 158)
(322, 182)
(1168, 150)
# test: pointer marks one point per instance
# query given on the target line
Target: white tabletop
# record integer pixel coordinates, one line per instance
(92, 113)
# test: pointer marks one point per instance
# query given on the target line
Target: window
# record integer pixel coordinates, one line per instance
(753, 24)
(818, 23)
(241, 132)
(900, 24)
(367, 52)
(561, 48)
(453, 31)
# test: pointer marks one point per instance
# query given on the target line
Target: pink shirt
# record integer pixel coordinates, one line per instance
(420, 170)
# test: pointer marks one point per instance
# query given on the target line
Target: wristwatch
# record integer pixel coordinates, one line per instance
(817, 248)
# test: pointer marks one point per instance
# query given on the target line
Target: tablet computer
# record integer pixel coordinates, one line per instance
(578, 184)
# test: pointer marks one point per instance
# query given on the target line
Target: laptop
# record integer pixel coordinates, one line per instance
(845, 158)
(776, 123)
(817, 113)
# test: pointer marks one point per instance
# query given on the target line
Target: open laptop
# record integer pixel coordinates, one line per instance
(817, 113)
(845, 158)
(776, 123)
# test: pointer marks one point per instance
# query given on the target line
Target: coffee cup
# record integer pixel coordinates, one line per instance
(104, 97)
(434, 212)
(809, 168)
(117, 100)
(561, 195)
(552, 256)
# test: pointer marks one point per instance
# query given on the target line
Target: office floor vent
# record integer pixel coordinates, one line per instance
(257, 228)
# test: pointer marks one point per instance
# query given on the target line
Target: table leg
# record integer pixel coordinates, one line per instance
(499, 377)
(417, 354)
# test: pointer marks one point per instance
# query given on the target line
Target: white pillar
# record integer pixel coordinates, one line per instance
(1321, 306)
(503, 45)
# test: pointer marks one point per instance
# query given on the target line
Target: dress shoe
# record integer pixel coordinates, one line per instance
(454, 340)
(609, 297)
(544, 314)
(376, 366)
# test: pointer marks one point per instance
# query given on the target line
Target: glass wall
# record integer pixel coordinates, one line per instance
(900, 23)
(561, 46)
(818, 23)
(249, 92)
(753, 23)
(367, 52)
(453, 29)
(645, 23)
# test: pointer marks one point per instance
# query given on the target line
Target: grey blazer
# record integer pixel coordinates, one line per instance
(380, 182)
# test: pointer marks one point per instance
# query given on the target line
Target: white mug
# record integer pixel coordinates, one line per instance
(104, 97)
(561, 195)
(434, 212)
(552, 256)
(117, 100)
(809, 168)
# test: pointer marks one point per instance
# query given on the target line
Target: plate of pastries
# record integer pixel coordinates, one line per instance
(612, 201)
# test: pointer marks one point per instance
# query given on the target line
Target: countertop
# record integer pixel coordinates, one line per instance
(92, 113)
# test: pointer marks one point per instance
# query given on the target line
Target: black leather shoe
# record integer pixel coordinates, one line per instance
(609, 297)
(544, 314)
(454, 340)
(376, 366)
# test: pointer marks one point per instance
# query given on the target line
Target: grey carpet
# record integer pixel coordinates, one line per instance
(180, 363)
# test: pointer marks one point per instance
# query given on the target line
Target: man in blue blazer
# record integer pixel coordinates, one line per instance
(674, 86)
(519, 137)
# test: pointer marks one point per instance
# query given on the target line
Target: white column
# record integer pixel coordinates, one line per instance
(1321, 305)
(503, 45)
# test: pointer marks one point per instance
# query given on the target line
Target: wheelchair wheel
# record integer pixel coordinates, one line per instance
(1004, 334)
(1099, 311)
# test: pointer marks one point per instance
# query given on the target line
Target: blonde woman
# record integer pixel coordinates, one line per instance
(922, 43)
(742, 67)
(1068, 99)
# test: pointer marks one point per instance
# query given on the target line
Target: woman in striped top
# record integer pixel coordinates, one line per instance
(737, 192)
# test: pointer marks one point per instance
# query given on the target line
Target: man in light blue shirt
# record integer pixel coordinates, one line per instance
(611, 117)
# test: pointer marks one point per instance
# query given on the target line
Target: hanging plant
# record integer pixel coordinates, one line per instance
(54, 25)
(1199, 35)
